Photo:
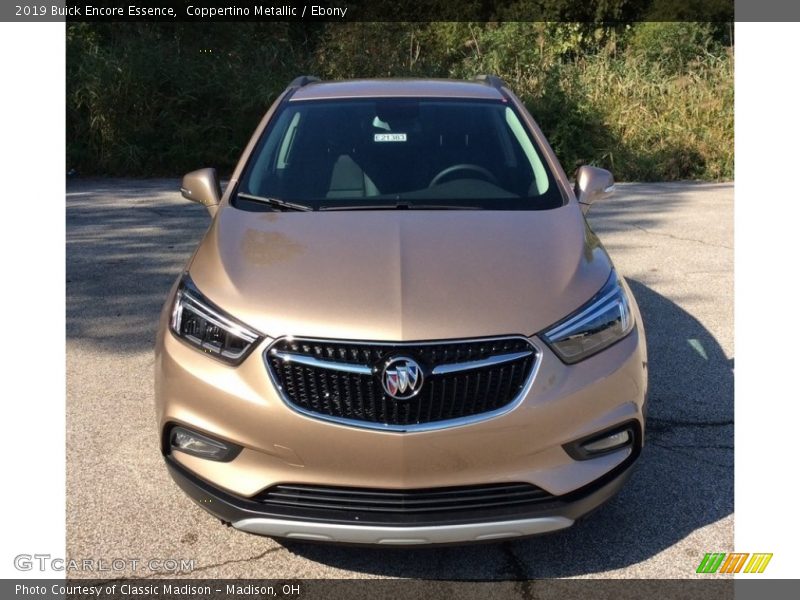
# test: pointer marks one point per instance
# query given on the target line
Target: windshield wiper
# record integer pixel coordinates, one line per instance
(276, 202)
(400, 206)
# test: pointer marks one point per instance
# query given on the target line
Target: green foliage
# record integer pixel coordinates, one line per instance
(160, 99)
(650, 100)
(673, 46)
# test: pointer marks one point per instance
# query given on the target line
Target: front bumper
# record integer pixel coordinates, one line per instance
(247, 515)
(241, 405)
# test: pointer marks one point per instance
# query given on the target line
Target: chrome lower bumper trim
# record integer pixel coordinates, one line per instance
(401, 536)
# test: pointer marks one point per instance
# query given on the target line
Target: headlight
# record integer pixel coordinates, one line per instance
(205, 326)
(605, 319)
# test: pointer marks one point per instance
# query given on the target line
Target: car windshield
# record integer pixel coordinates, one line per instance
(382, 153)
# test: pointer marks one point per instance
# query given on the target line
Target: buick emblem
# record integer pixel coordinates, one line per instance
(401, 378)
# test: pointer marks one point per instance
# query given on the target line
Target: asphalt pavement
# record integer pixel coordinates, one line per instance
(127, 240)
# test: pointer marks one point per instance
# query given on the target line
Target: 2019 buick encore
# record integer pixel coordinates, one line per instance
(399, 328)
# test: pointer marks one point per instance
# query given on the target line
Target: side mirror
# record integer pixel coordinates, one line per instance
(202, 186)
(592, 184)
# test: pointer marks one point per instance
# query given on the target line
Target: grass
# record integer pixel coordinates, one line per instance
(650, 102)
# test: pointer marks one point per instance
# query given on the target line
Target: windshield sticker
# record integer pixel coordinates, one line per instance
(390, 137)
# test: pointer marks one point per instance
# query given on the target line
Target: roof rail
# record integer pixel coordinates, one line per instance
(303, 80)
(492, 80)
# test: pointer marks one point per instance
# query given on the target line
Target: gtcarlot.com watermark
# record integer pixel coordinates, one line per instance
(46, 562)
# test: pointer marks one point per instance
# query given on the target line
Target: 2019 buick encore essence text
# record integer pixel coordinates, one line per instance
(399, 328)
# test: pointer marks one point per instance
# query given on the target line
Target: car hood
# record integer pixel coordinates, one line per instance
(400, 275)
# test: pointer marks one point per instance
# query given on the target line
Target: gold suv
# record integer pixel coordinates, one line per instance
(399, 328)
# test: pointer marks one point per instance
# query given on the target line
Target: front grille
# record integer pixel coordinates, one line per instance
(342, 380)
(361, 500)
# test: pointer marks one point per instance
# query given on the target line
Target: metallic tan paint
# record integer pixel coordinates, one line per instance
(202, 186)
(592, 184)
(396, 88)
(240, 404)
(399, 276)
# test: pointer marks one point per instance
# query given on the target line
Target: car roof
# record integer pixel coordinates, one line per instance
(394, 88)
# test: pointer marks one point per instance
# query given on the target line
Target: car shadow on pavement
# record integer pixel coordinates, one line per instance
(125, 248)
(683, 481)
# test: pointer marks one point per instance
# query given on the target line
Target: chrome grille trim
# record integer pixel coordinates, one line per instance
(367, 370)
(478, 364)
(322, 364)
(536, 351)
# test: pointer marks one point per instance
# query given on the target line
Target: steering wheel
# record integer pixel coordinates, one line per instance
(462, 167)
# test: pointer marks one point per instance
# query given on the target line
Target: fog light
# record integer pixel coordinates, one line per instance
(202, 446)
(624, 435)
(610, 442)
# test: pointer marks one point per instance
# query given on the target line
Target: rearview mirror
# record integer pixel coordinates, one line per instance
(592, 184)
(202, 186)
